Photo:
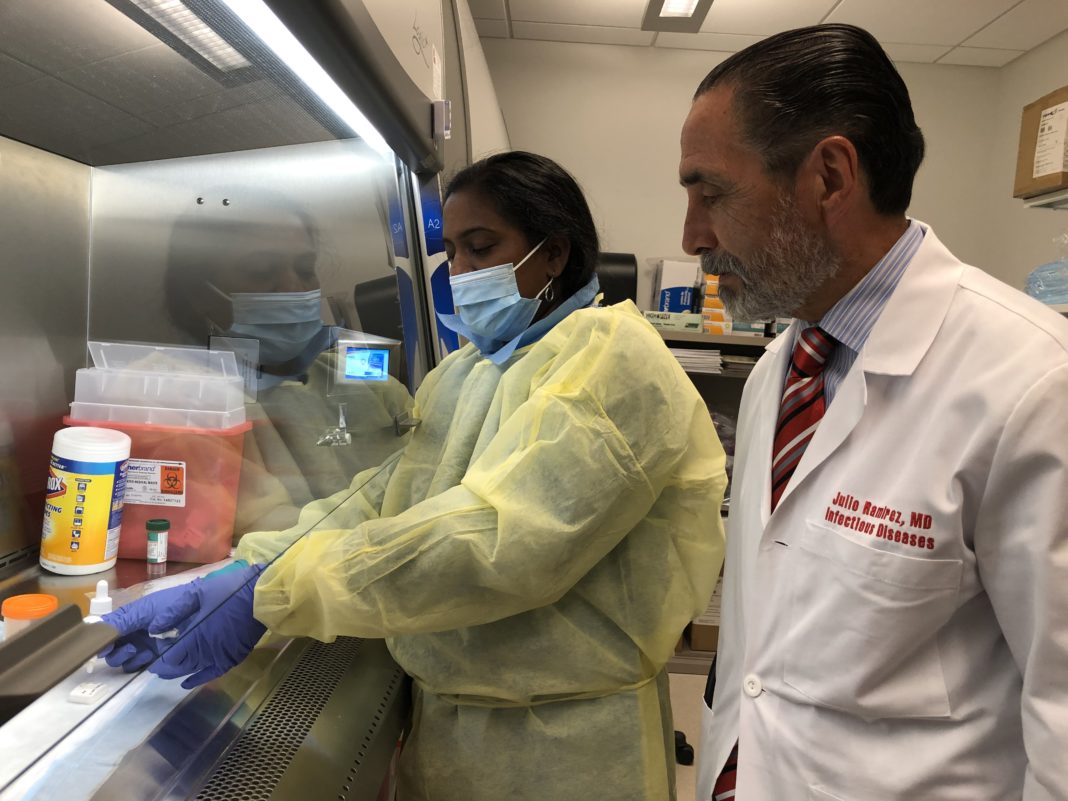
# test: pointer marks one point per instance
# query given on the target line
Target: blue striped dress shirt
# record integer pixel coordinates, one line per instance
(852, 318)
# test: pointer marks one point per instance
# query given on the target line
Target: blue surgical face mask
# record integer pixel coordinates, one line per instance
(489, 305)
(283, 322)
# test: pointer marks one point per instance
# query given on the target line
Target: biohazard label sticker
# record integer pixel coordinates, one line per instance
(155, 483)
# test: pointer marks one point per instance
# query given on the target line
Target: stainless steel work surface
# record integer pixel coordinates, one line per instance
(297, 719)
(323, 722)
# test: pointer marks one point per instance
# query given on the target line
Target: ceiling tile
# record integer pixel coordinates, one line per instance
(57, 117)
(487, 9)
(920, 22)
(979, 56)
(721, 42)
(14, 72)
(493, 28)
(146, 79)
(278, 121)
(764, 17)
(917, 53)
(1026, 26)
(581, 33)
(606, 13)
(185, 110)
(59, 35)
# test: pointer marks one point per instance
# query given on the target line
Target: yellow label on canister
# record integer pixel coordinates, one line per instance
(83, 511)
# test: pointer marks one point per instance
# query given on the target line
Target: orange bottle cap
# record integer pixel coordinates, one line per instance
(29, 607)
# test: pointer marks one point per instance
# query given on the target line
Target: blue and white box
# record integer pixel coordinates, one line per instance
(675, 285)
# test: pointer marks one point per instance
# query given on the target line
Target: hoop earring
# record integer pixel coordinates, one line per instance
(550, 296)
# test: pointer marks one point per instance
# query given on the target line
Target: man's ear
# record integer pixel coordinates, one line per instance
(830, 175)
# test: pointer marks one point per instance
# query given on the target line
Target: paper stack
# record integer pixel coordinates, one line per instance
(738, 366)
(699, 361)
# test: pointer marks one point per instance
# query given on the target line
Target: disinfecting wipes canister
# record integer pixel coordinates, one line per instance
(83, 505)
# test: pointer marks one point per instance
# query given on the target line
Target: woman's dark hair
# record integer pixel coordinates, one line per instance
(798, 87)
(540, 198)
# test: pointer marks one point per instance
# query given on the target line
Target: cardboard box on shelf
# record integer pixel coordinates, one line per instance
(1042, 157)
(717, 328)
(715, 316)
(674, 321)
(753, 328)
(704, 631)
(675, 285)
(703, 637)
(712, 302)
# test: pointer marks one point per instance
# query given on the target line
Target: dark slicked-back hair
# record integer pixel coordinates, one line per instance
(795, 88)
(540, 198)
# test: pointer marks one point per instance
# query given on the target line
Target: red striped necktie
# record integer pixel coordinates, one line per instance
(800, 411)
(801, 408)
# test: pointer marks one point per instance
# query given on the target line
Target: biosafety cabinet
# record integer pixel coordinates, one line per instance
(259, 178)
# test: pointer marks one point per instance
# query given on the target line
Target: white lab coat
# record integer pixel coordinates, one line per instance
(853, 667)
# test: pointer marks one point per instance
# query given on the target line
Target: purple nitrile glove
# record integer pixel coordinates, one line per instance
(213, 616)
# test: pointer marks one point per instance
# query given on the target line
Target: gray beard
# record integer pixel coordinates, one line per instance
(780, 279)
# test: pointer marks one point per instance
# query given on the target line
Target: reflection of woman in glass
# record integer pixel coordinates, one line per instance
(250, 273)
(535, 550)
(247, 271)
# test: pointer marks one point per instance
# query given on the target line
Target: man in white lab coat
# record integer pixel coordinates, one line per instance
(895, 607)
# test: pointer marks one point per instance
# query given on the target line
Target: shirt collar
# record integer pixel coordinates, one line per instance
(852, 318)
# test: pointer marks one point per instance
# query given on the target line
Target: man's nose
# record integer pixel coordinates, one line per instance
(697, 234)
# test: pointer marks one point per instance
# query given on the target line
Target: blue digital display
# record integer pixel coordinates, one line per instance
(366, 364)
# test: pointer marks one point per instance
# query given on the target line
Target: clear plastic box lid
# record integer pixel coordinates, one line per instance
(163, 358)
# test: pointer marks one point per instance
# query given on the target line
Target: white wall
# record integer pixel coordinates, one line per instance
(1021, 237)
(612, 115)
(485, 122)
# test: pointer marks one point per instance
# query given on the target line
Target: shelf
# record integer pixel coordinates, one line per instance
(739, 376)
(712, 339)
(1050, 200)
(696, 662)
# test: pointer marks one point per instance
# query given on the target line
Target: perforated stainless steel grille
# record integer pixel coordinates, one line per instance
(372, 730)
(259, 757)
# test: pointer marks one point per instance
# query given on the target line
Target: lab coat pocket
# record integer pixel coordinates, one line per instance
(864, 629)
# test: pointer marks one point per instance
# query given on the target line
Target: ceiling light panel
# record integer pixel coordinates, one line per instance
(193, 32)
(678, 8)
(676, 16)
(270, 30)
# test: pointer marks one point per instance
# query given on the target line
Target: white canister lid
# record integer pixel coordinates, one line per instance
(91, 444)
